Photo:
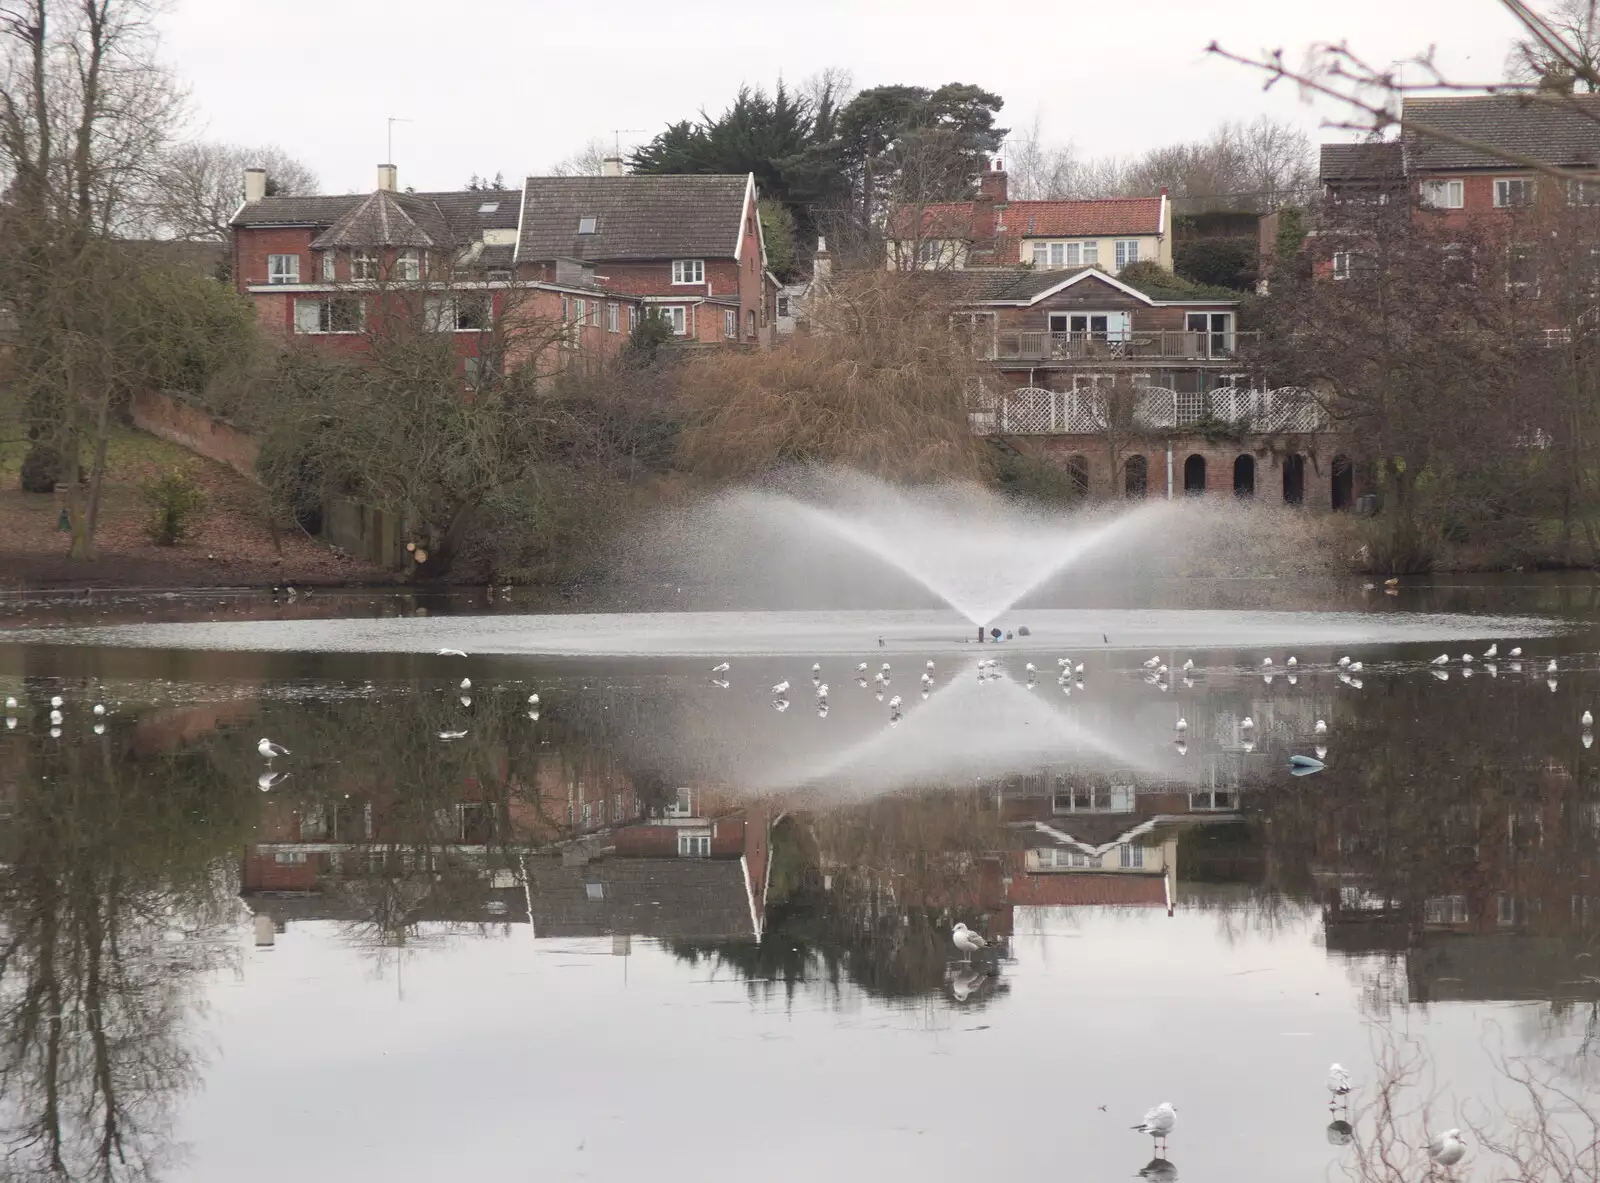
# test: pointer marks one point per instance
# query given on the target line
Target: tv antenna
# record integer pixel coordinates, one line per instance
(619, 132)
(393, 119)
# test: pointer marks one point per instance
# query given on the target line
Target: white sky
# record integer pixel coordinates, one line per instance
(504, 85)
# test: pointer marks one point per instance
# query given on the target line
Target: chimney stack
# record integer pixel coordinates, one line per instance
(611, 166)
(822, 261)
(388, 177)
(266, 931)
(992, 185)
(255, 184)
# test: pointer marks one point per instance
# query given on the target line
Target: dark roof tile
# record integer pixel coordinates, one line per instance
(1564, 132)
(636, 217)
(1361, 162)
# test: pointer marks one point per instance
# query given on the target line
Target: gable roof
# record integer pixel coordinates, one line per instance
(1361, 162)
(1103, 216)
(637, 216)
(1559, 131)
(1024, 286)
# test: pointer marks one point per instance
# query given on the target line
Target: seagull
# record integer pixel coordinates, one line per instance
(1516, 652)
(270, 750)
(449, 735)
(720, 669)
(1160, 670)
(466, 700)
(450, 653)
(894, 703)
(966, 940)
(1355, 667)
(1183, 725)
(816, 670)
(56, 701)
(1247, 723)
(1029, 668)
(1442, 659)
(781, 688)
(884, 667)
(1587, 720)
(930, 666)
(533, 700)
(1551, 668)
(1159, 1121)
(862, 668)
(1447, 1148)
(466, 683)
(55, 716)
(1292, 661)
(99, 708)
(1551, 682)
(822, 690)
(1343, 661)
(11, 704)
(1321, 728)
(1466, 659)
(1266, 661)
(1188, 664)
(1338, 1081)
(1152, 663)
(1078, 669)
(1492, 651)
(927, 679)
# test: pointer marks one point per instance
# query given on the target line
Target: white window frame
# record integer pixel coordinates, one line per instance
(677, 316)
(363, 266)
(408, 265)
(1583, 191)
(1127, 252)
(1503, 190)
(324, 313)
(1041, 255)
(682, 804)
(283, 269)
(580, 312)
(327, 267)
(633, 317)
(1130, 856)
(588, 224)
(1443, 194)
(613, 318)
(783, 306)
(694, 843)
(1341, 265)
(687, 272)
(730, 323)
(750, 322)
(444, 314)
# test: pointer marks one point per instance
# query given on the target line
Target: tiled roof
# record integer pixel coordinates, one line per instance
(1361, 162)
(1542, 127)
(296, 211)
(1036, 219)
(1017, 284)
(636, 217)
(664, 897)
(463, 208)
(385, 218)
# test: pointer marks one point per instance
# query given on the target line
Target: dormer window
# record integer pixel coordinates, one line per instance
(488, 207)
(587, 225)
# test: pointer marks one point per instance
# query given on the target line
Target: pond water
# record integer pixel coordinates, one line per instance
(671, 922)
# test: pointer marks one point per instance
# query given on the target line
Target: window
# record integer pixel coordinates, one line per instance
(1127, 252)
(1131, 857)
(676, 317)
(1444, 194)
(1445, 909)
(694, 843)
(750, 322)
(929, 253)
(633, 317)
(363, 265)
(289, 857)
(586, 225)
(472, 370)
(1041, 254)
(1213, 333)
(408, 266)
(580, 311)
(783, 305)
(688, 271)
(979, 328)
(327, 316)
(730, 322)
(455, 314)
(682, 804)
(327, 266)
(1091, 254)
(1063, 860)
(1584, 192)
(594, 313)
(1513, 191)
(1055, 255)
(283, 268)
(613, 318)
(1341, 264)
(488, 207)
(566, 309)
(1522, 270)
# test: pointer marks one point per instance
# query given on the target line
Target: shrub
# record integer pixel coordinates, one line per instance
(176, 503)
(41, 468)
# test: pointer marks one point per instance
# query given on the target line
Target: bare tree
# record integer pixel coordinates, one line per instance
(1534, 61)
(201, 185)
(585, 162)
(1040, 171)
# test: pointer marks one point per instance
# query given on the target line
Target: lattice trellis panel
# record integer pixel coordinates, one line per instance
(1029, 410)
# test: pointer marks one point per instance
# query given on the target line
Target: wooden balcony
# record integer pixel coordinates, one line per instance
(1156, 345)
(1034, 411)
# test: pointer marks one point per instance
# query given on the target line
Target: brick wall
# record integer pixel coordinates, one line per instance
(190, 427)
(251, 248)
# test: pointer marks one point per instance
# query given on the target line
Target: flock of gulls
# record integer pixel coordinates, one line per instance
(1445, 1148)
(57, 716)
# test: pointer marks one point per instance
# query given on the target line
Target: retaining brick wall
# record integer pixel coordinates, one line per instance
(190, 427)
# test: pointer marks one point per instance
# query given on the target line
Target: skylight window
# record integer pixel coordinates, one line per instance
(586, 225)
(488, 207)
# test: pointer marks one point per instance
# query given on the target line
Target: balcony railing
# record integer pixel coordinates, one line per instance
(1034, 411)
(1131, 345)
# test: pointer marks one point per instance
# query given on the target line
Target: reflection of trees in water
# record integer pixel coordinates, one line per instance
(113, 902)
(879, 915)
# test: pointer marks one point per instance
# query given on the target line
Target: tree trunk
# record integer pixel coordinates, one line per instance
(97, 474)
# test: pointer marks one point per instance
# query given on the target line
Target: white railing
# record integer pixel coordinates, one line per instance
(1032, 410)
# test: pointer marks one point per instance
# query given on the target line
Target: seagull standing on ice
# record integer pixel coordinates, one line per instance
(1551, 668)
(270, 750)
(1321, 728)
(1152, 663)
(466, 683)
(56, 701)
(1338, 1083)
(1442, 659)
(1492, 652)
(450, 653)
(1158, 1123)
(1343, 662)
(781, 687)
(1517, 652)
(1587, 720)
(720, 669)
(966, 940)
(1447, 1148)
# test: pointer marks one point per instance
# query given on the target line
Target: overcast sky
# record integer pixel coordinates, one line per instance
(505, 85)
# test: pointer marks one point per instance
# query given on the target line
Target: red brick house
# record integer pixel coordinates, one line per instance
(340, 268)
(690, 247)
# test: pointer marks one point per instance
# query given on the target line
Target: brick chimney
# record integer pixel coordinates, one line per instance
(611, 166)
(255, 184)
(992, 185)
(388, 177)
